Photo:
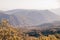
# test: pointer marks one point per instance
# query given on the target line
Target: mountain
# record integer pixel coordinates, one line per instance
(2, 15)
(20, 17)
(33, 17)
(12, 19)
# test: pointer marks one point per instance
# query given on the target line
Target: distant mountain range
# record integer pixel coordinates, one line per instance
(20, 17)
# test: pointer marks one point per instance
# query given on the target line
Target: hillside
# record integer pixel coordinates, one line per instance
(25, 18)
(33, 17)
(8, 32)
(12, 19)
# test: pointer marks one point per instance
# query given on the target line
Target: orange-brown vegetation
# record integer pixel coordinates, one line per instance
(8, 32)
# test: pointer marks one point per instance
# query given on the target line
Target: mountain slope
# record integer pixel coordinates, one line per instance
(20, 17)
(33, 17)
(12, 19)
(2, 15)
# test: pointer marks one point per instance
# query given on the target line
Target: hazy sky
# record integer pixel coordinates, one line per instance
(28, 4)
